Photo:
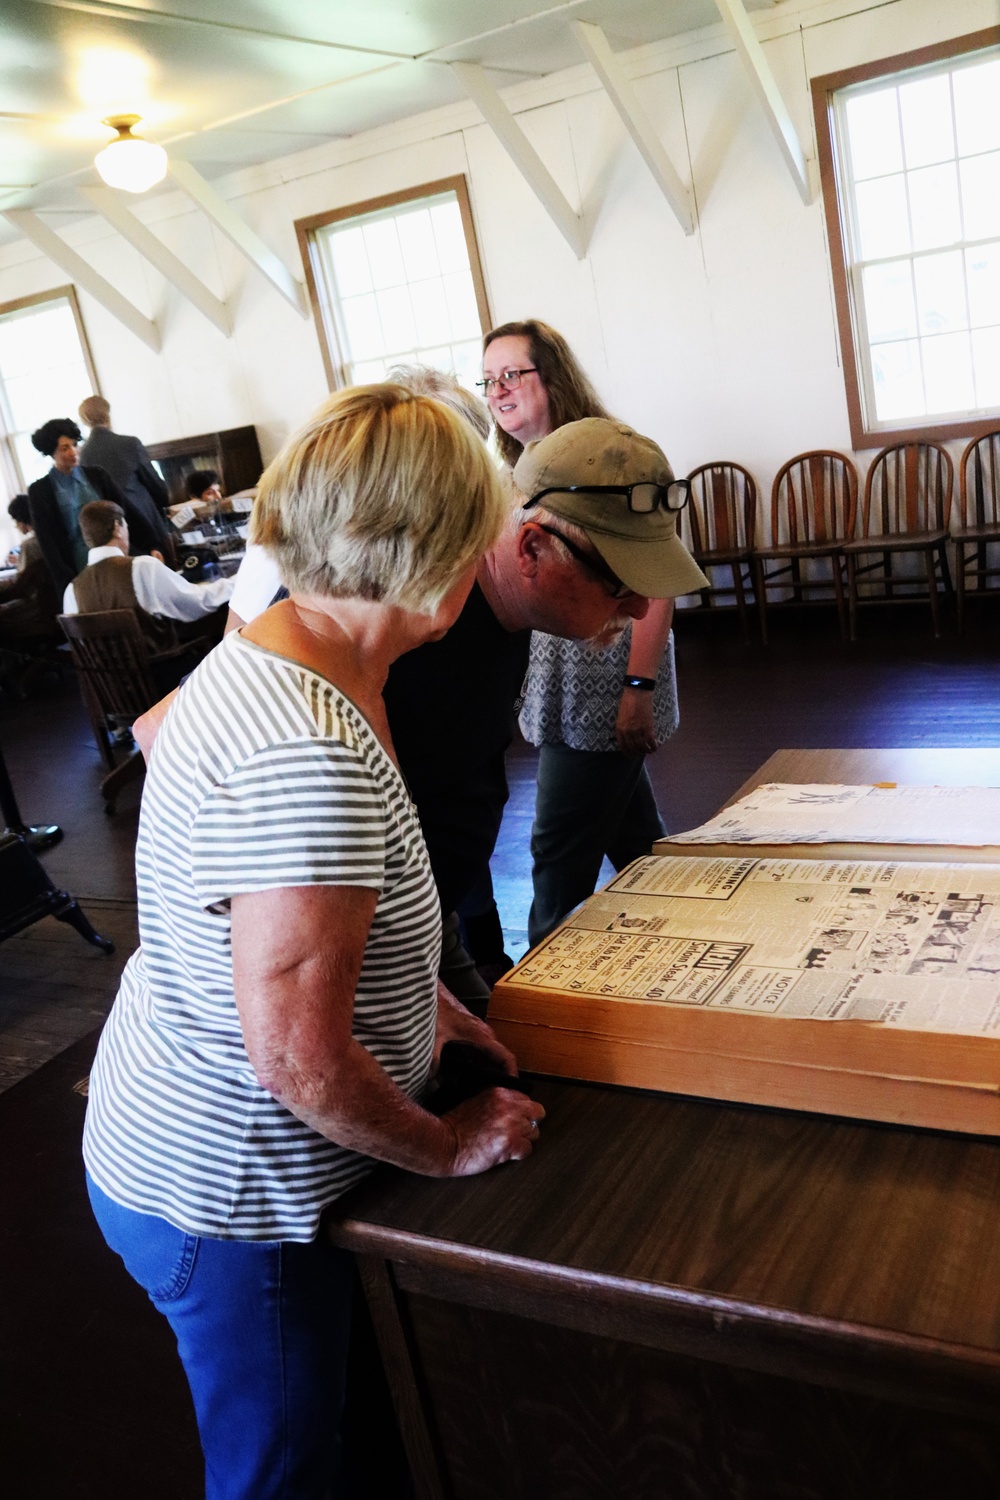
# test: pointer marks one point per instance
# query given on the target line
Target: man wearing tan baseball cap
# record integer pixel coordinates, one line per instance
(613, 489)
(618, 488)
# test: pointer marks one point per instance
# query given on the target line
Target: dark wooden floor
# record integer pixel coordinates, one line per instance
(95, 1406)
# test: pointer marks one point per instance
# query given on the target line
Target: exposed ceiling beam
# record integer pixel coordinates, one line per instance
(82, 272)
(110, 206)
(120, 10)
(765, 87)
(247, 241)
(636, 121)
(523, 154)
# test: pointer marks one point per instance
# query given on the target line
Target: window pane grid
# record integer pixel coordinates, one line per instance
(919, 176)
(43, 374)
(401, 290)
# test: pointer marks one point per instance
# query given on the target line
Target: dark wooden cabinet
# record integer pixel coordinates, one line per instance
(233, 454)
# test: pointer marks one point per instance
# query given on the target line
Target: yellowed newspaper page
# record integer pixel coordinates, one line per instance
(908, 945)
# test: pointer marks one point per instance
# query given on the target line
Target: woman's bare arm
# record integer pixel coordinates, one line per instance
(297, 954)
(147, 725)
(634, 728)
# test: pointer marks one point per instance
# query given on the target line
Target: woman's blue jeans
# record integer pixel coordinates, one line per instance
(262, 1331)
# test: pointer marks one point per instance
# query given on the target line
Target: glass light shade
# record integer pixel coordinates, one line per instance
(131, 163)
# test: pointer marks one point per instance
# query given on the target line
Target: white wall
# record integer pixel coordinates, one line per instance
(720, 345)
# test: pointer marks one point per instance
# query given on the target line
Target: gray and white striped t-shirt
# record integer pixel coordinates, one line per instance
(263, 775)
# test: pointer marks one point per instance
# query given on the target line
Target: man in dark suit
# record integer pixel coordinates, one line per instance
(129, 465)
(57, 499)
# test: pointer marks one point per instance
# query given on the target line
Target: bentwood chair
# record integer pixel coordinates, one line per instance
(119, 679)
(979, 517)
(813, 504)
(721, 523)
(906, 509)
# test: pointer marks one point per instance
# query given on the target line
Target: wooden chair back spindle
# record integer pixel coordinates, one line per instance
(719, 524)
(908, 490)
(978, 518)
(722, 513)
(814, 499)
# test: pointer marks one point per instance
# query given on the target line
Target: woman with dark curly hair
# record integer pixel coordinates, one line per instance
(58, 498)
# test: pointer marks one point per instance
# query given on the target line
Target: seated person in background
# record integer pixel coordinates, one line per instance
(114, 580)
(203, 485)
(28, 605)
(27, 550)
(129, 465)
(58, 498)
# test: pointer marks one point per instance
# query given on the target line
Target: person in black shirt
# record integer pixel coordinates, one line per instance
(450, 703)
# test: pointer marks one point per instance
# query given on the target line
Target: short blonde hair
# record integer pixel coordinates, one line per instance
(94, 411)
(383, 495)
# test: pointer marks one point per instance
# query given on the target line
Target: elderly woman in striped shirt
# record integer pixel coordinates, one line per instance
(281, 1017)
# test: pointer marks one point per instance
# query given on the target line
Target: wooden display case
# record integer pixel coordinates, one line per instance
(587, 1004)
(233, 454)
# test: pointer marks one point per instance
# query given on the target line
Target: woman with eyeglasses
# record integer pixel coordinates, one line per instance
(595, 709)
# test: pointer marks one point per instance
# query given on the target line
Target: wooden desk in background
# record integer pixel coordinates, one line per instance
(675, 1298)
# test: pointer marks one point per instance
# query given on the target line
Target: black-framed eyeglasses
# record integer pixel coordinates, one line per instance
(593, 562)
(508, 379)
(642, 498)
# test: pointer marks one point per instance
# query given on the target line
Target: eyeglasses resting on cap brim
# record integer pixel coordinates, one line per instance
(643, 498)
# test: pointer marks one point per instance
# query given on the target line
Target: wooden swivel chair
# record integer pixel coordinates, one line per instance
(979, 517)
(813, 504)
(721, 522)
(119, 679)
(906, 509)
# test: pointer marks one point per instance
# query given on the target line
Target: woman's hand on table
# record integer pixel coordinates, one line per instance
(456, 1024)
(496, 1126)
(297, 955)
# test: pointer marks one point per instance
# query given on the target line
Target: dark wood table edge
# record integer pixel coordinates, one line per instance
(854, 1357)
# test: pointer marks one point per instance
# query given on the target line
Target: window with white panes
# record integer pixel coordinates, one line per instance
(399, 284)
(45, 371)
(918, 167)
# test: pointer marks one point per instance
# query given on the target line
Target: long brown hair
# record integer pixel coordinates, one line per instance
(571, 395)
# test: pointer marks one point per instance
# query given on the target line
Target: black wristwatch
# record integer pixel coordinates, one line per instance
(641, 684)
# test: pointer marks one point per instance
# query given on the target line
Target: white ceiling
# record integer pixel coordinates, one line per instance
(229, 85)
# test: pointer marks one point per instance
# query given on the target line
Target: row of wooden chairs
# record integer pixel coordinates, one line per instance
(815, 516)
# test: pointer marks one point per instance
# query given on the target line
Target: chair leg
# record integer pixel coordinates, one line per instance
(72, 914)
(960, 586)
(741, 603)
(836, 564)
(945, 570)
(887, 574)
(852, 596)
(760, 594)
(132, 767)
(929, 564)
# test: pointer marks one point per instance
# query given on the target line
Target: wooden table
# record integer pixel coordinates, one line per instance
(675, 1298)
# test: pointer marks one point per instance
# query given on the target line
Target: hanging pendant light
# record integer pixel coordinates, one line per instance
(130, 162)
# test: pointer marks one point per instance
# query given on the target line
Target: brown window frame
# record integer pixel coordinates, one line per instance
(55, 294)
(322, 313)
(823, 90)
